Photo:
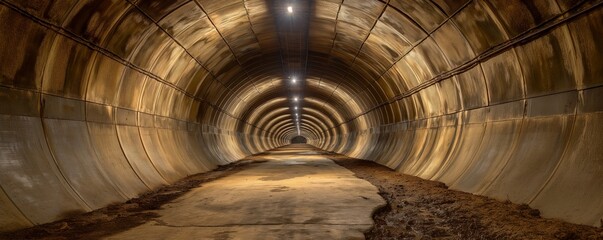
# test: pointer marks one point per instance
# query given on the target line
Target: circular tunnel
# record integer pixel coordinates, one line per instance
(103, 100)
(298, 140)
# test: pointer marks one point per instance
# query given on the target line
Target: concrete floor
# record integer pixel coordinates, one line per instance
(295, 194)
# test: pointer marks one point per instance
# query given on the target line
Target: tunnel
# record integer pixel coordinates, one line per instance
(103, 100)
(298, 140)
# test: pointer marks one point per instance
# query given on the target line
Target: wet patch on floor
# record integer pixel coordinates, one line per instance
(280, 189)
(224, 235)
(285, 175)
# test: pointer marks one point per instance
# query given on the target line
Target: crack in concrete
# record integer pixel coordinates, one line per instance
(164, 224)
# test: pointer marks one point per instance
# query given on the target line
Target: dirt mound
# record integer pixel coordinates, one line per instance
(421, 209)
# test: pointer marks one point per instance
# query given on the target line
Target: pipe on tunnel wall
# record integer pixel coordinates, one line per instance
(104, 100)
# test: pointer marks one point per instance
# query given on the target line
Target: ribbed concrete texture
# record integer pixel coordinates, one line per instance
(296, 194)
(102, 100)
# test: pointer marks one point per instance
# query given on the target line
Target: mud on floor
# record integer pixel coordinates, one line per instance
(123, 216)
(422, 209)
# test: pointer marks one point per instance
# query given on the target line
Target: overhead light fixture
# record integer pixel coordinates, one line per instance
(295, 108)
(293, 80)
(295, 99)
(290, 9)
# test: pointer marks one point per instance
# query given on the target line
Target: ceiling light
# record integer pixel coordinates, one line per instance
(293, 80)
(295, 99)
(290, 9)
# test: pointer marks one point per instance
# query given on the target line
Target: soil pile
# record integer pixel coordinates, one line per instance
(422, 209)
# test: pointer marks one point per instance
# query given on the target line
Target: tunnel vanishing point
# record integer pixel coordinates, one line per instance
(103, 100)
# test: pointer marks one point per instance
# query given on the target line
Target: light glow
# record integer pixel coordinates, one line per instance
(290, 9)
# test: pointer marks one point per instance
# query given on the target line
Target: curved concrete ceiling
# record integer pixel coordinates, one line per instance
(105, 99)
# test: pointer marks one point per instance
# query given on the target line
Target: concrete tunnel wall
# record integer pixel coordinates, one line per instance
(101, 101)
